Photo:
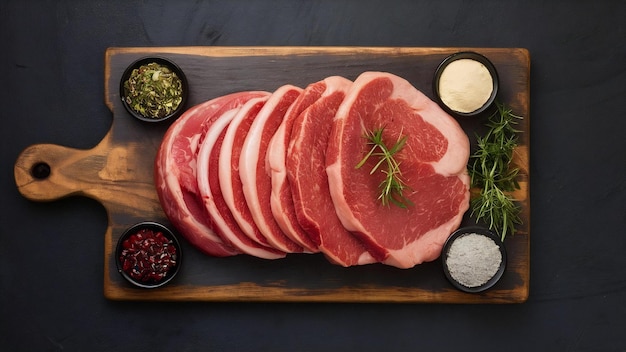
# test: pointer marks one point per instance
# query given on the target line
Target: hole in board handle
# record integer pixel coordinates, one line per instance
(40, 170)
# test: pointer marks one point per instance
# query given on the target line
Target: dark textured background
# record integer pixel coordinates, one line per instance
(51, 82)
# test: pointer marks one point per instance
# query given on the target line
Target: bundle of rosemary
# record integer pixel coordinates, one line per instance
(491, 171)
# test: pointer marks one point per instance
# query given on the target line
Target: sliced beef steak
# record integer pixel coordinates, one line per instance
(281, 198)
(270, 174)
(306, 164)
(230, 181)
(254, 168)
(222, 218)
(433, 164)
(175, 173)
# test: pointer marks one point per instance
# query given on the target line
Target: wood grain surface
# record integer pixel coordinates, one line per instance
(118, 172)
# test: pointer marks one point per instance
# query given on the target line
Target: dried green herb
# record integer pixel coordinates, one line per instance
(153, 90)
(392, 186)
(491, 171)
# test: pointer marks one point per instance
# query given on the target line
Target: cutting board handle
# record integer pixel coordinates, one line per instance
(47, 172)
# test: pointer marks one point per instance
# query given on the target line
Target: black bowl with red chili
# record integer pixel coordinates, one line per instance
(148, 255)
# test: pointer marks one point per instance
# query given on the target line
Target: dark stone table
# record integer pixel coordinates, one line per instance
(51, 254)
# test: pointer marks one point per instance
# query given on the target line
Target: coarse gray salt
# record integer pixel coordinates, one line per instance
(473, 259)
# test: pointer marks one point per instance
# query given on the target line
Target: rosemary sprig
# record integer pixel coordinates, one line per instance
(392, 186)
(490, 170)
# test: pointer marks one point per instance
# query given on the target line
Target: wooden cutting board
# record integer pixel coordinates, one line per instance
(118, 172)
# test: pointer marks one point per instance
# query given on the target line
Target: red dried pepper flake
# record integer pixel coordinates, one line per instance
(148, 256)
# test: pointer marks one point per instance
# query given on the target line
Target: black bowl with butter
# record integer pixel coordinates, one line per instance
(154, 89)
(474, 259)
(465, 84)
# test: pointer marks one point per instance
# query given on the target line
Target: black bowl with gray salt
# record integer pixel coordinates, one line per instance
(474, 259)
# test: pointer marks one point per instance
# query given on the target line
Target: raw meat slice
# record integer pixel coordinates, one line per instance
(254, 169)
(230, 181)
(433, 164)
(281, 199)
(209, 185)
(175, 173)
(306, 164)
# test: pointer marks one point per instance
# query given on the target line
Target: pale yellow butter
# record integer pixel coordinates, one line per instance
(465, 85)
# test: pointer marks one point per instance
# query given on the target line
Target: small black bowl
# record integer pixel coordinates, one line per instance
(150, 231)
(161, 61)
(445, 256)
(472, 56)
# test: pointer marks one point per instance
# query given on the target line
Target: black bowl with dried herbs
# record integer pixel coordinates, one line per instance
(154, 89)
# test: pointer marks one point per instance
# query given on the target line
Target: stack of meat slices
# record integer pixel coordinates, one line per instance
(268, 174)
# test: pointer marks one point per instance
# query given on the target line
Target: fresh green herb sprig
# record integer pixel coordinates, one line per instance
(392, 186)
(153, 90)
(491, 171)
